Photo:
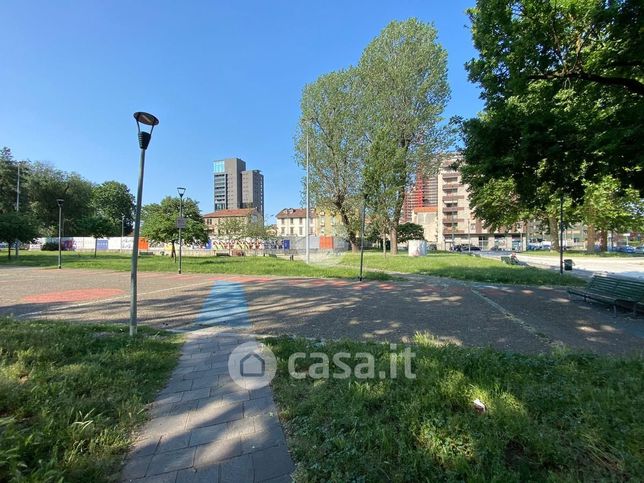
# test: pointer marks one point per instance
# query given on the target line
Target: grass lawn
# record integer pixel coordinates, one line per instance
(70, 395)
(462, 267)
(250, 265)
(559, 417)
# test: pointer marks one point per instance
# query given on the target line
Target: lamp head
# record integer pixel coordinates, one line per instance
(147, 120)
(181, 191)
(60, 201)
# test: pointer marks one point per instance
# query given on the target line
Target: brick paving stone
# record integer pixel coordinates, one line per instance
(208, 474)
(216, 452)
(171, 461)
(210, 412)
(237, 470)
(271, 462)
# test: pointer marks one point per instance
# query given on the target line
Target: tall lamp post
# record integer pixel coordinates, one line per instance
(308, 208)
(60, 202)
(18, 207)
(144, 140)
(122, 230)
(362, 229)
(180, 221)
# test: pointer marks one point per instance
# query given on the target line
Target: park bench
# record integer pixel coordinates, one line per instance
(622, 292)
(511, 261)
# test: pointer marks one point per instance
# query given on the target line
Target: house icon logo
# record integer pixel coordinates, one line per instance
(252, 365)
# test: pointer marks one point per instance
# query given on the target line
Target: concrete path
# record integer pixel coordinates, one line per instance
(628, 266)
(204, 427)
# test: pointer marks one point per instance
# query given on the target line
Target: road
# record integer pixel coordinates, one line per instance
(626, 266)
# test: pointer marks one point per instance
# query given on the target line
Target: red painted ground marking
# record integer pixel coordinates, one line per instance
(74, 295)
(386, 286)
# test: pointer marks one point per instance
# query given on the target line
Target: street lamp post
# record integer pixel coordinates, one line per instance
(122, 230)
(362, 229)
(18, 207)
(181, 192)
(60, 230)
(144, 140)
(308, 212)
(561, 235)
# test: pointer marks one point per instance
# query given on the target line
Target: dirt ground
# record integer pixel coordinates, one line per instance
(519, 319)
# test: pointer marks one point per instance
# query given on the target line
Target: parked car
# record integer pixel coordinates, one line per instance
(625, 249)
(639, 249)
(466, 248)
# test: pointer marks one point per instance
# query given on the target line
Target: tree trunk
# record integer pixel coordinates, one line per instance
(590, 239)
(173, 253)
(384, 245)
(554, 232)
(603, 244)
(9, 248)
(95, 246)
(393, 237)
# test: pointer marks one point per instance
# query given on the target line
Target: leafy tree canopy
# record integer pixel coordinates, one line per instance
(17, 226)
(410, 231)
(159, 222)
(562, 83)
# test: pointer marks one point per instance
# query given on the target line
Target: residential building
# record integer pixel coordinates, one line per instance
(292, 222)
(253, 190)
(235, 187)
(329, 224)
(215, 221)
(440, 204)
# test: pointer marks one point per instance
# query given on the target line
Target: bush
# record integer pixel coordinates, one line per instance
(52, 247)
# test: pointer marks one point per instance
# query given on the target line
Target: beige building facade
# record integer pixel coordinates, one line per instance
(440, 204)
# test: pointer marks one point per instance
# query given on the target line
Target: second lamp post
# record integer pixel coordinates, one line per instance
(60, 231)
(181, 222)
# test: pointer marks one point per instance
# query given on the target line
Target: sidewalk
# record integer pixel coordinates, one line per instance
(206, 428)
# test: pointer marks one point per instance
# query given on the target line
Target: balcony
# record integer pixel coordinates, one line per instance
(451, 186)
(452, 209)
(455, 221)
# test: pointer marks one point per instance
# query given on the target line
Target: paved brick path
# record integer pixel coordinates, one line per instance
(206, 428)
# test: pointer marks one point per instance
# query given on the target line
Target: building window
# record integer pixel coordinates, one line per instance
(218, 167)
(301, 231)
(292, 230)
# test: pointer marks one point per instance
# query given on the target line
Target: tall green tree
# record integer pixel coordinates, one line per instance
(331, 120)
(159, 222)
(608, 207)
(96, 226)
(114, 202)
(45, 184)
(8, 180)
(404, 90)
(563, 86)
(17, 226)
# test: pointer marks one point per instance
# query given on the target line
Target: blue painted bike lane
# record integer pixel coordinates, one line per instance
(225, 306)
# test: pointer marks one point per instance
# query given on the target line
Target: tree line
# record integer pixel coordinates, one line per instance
(29, 208)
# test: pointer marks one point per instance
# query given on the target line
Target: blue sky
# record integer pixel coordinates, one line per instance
(224, 78)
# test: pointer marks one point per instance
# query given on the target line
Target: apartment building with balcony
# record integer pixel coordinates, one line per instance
(440, 204)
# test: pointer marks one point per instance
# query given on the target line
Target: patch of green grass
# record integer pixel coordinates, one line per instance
(70, 396)
(561, 417)
(250, 265)
(463, 267)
